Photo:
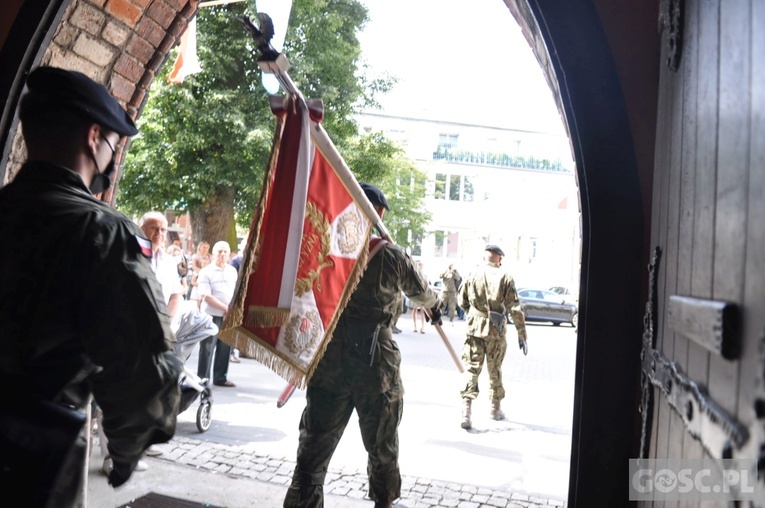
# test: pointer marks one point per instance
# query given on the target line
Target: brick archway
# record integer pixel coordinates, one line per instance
(120, 43)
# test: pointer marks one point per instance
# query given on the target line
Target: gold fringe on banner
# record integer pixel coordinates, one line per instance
(252, 347)
(266, 317)
(251, 254)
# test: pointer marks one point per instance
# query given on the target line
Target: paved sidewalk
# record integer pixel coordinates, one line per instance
(236, 477)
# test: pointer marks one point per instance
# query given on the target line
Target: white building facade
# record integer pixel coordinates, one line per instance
(513, 188)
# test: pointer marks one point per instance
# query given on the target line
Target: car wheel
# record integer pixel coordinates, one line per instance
(556, 323)
(575, 320)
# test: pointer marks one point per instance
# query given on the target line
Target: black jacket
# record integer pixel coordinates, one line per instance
(78, 299)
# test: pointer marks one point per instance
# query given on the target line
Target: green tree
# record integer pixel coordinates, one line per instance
(204, 145)
(377, 160)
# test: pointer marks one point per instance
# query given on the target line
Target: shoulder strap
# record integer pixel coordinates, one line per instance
(376, 244)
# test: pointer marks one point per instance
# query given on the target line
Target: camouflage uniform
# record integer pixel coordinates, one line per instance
(489, 288)
(398, 309)
(451, 282)
(83, 313)
(348, 378)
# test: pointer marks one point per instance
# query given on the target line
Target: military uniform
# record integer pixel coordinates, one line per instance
(398, 309)
(451, 281)
(490, 288)
(348, 377)
(83, 313)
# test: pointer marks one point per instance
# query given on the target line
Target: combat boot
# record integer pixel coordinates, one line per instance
(496, 412)
(466, 403)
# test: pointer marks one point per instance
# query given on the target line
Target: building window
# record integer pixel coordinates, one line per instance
(532, 249)
(447, 141)
(440, 189)
(446, 244)
(454, 187)
(415, 244)
(467, 189)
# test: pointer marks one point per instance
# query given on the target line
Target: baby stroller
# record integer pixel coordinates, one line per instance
(194, 327)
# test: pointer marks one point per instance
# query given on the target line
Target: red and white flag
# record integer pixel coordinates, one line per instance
(306, 253)
(186, 63)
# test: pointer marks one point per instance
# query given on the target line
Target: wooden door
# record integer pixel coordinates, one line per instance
(708, 224)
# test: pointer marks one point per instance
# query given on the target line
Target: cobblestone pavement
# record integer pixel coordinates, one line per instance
(241, 461)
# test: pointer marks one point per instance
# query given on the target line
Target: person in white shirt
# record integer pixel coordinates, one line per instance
(164, 266)
(216, 283)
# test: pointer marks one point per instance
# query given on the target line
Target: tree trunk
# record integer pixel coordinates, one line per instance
(210, 221)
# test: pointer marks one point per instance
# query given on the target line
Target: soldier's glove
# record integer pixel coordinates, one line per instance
(522, 343)
(435, 316)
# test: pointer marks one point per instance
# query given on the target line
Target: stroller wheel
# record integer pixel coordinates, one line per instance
(204, 416)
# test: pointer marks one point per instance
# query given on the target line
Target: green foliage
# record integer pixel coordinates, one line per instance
(213, 131)
(377, 160)
(204, 145)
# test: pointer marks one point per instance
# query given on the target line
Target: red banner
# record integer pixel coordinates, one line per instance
(308, 247)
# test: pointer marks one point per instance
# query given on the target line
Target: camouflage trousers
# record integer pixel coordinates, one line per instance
(345, 381)
(449, 300)
(474, 352)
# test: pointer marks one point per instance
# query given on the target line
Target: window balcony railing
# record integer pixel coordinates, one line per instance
(499, 159)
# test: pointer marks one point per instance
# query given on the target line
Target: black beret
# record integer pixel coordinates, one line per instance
(375, 195)
(495, 250)
(59, 89)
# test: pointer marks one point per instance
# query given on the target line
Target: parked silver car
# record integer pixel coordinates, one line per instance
(542, 305)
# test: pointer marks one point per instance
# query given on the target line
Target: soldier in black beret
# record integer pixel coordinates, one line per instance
(487, 296)
(360, 371)
(83, 313)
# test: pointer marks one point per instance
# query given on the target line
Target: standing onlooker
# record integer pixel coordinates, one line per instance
(451, 282)
(199, 260)
(182, 267)
(104, 337)
(236, 262)
(217, 282)
(164, 266)
(418, 310)
(487, 295)
(360, 370)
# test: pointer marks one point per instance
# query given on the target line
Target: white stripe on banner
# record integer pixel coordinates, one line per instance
(297, 212)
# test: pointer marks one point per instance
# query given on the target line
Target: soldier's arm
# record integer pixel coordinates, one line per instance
(126, 331)
(463, 299)
(513, 304)
(414, 284)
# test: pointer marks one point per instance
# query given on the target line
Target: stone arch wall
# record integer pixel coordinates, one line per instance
(121, 43)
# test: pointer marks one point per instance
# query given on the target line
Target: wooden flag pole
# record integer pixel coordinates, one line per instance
(277, 64)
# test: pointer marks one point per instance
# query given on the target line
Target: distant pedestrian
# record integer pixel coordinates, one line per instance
(216, 282)
(451, 282)
(487, 295)
(418, 311)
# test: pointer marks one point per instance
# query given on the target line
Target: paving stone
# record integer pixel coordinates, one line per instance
(500, 502)
(449, 502)
(480, 498)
